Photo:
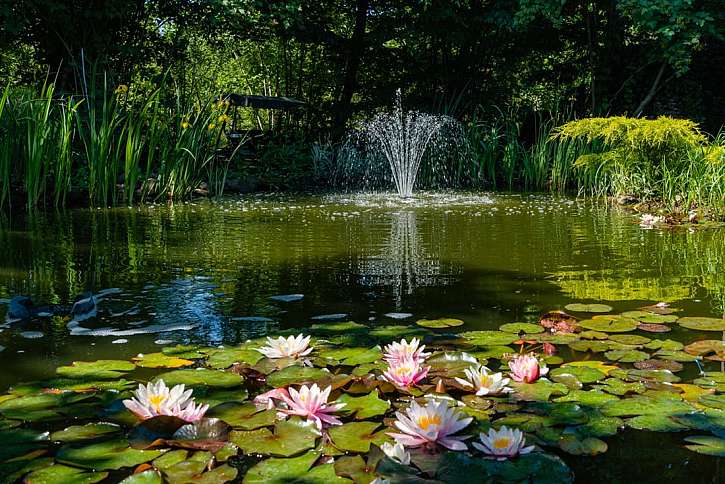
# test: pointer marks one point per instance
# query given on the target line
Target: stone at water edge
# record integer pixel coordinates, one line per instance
(84, 308)
(19, 309)
(329, 317)
(287, 297)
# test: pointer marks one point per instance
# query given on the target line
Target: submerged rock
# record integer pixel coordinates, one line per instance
(19, 309)
(85, 307)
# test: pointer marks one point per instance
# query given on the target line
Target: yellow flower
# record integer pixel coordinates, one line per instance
(185, 124)
(122, 89)
(224, 119)
(212, 126)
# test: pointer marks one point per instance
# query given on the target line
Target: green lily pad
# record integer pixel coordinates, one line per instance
(60, 474)
(706, 444)
(582, 373)
(655, 423)
(101, 369)
(451, 364)
(641, 405)
(150, 476)
(626, 356)
(664, 344)
(652, 376)
(353, 356)
(160, 360)
(298, 375)
(674, 356)
(197, 472)
(538, 467)
(113, 454)
(702, 324)
(397, 332)
(224, 358)
(76, 433)
(439, 323)
(244, 416)
(355, 467)
(591, 334)
(290, 437)
(190, 352)
(713, 401)
(622, 325)
(591, 398)
(516, 328)
(600, 426)
(364, 407)
(491, 352)
(570, 444)
(357, 436)
(201, 377)
(712, 349)
(630, 339)
(338, 327)
(588, 308)
(539, 391)
(589, 345)
(489, 338)
(297, 470)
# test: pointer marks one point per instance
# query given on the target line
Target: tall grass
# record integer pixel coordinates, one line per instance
(6, 150)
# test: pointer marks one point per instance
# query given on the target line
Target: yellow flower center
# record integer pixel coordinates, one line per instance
(156, 401)
(426, 421)
(501, 443)
(485, 381)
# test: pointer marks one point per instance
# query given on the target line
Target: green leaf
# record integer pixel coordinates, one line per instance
(516, 328)
(570, 444)
(588, 308)
(160, 360)
(539, 391)
(357, 436)
(354, 467)
(298, 375)
(224, 358)
(713, 401)
(150, 476)
(101, 369)
(244, 416)
(626, 356)
(591, 398)
(702, 324)
(60, 474)
(582, 373)
(641, 405)
(655, 423)
(489, 338)
(201, 377)
(89, 431)
(708, 445)
(290, 438)
(364, 407)
(114, 454)
(609, 325)
(439, 323)
(293, 471)
(196, 472)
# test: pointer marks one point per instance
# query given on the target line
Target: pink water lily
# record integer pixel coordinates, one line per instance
(405, 373)
(431, 425)
(266, 401)
(397, 352)
(311, 403)
(526, 369)
(156, 399)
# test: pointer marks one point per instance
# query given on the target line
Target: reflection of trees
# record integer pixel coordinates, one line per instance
(404, 262)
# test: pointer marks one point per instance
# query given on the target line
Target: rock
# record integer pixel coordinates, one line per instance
(85, 307)
(19, 309)
(287, 297)
(627, 200)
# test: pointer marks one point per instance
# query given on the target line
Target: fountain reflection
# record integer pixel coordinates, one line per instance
(405, 262)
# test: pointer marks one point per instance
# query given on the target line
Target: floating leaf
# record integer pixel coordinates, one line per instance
(539, 391)
(600, 426)
(656, 364)
(113, 454)
(621, 325)
(591, 398)
(655, 423)
(588, 308)
(588, 345)
(570, 444)
(702, 324)
(160, 360)
(675, 356)
(224, 358)
(89, 431)
(641, 405)
(205, 434)
(60, 474)
(364, 407)
(354, 467)
(626, 356)
(582, 373)
(538, 467)
(298, 375)
(201, 377)
(184, 351)
(296, 470)
(708, 445)
(150, 476)
(439, 323)
(357, 436)
(197, 472)
(354, 356)
(489, 338)
(516, 328)
(243, 415)
(654, 328)
(713, 401)
(664, 344)
(290, 437)
(101, 369)
(712, 349)
(630, 339)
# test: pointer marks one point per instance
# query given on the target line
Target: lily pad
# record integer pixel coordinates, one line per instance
(516, 328)
(298, 375)
(588, 308)
(591, 398)
(160, 360)
(539, 391)
(702, 324)
(489, 338)
(60, 474)
(290, 437)
(113, 454)
(626, 356)
(630, 339)
(713, 401)
(570, 444)
(197, 472)
(357, 436)
(656, 423)
(657, 364)
(99, 370)
(589, 345)
(150, 476)
(364, 407)
(89, 431)
(201, 377)
(712, 349)
(582, 373)
(664, 344)
(654, 328)
(538, 467)
(706, 444)
(224, 358)
(439, 323)
(297, 470)
(641, 405)
(244, 416)
(621, 325)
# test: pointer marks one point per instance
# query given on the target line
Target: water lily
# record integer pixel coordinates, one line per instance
(526, 368)
(265, 401)
(290, 347)
(396, 452)
(400, 351)
(156, 399)
(503, 444)
(405, 373)
(484, 382)
(647, 220)
(311, 402)
(430, 425)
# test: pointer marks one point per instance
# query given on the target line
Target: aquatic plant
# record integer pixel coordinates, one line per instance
(483, 381)
(397, 351)
(429, 425)
(311, 403)
(526, 368)
(156, 399)
(396, 452)
(503, 444)
(290, 347)
(404, 373)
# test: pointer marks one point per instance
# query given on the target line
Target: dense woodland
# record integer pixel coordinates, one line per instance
(515, 67)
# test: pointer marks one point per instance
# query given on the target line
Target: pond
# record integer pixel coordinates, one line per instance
(220, 273)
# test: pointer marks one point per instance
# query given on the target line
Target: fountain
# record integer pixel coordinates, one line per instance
(403, 137)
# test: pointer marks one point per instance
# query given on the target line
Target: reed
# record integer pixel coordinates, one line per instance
(6, 149)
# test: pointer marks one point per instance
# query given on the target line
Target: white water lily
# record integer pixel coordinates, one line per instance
(396, 351)
(433, 424)
(156, 399)
(503, 444)
(396, 452)
(484, 382)
(290, 347)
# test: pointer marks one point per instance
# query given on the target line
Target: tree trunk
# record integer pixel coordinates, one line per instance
(355, 51)
(652, 91)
